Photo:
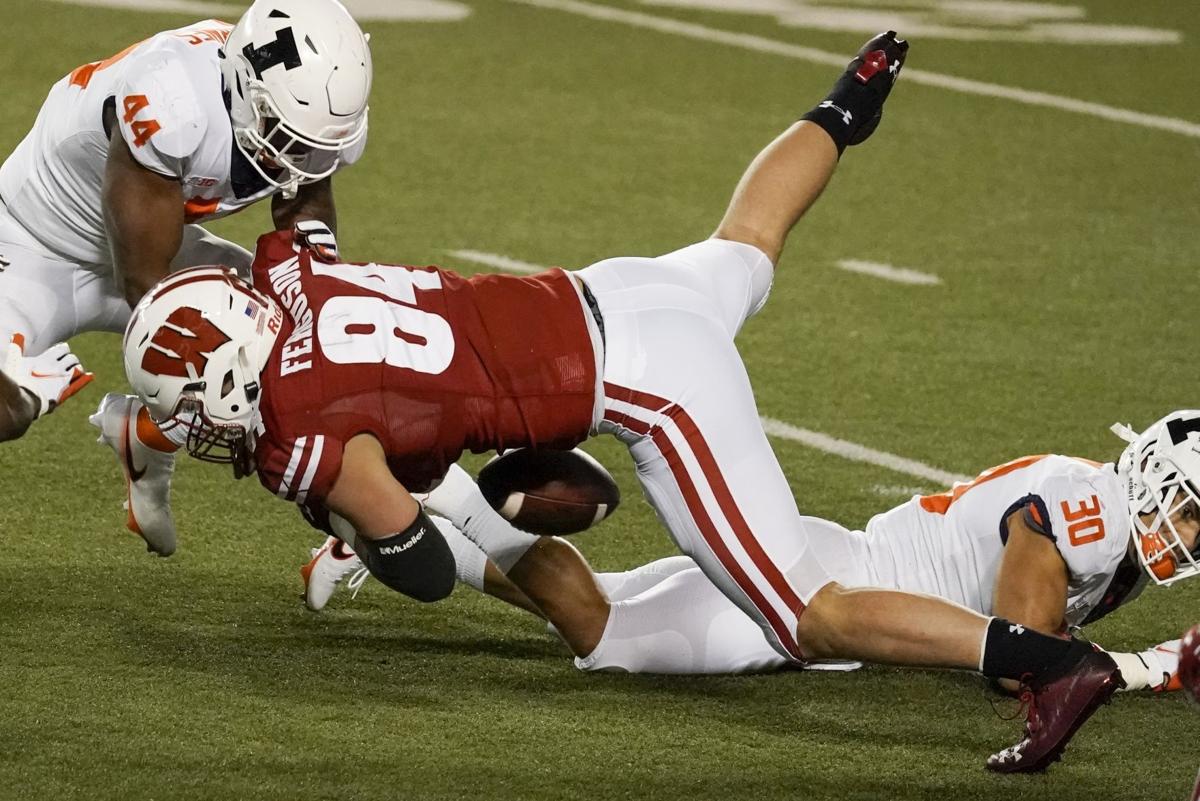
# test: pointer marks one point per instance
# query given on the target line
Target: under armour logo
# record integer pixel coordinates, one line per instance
(1016, 628)
(186, 339)
(847, 117)
(3, 263)
(894, 68)
(281, 51)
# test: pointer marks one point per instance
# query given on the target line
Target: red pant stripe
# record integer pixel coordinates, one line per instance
(704, 522)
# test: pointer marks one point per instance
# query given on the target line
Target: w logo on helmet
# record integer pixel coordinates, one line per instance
(186, 339)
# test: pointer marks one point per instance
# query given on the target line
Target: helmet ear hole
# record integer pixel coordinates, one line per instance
(227, 384)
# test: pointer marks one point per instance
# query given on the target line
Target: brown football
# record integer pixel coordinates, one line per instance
(549, 492)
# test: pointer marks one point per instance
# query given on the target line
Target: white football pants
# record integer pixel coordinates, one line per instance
(49, 299)
(677, 394)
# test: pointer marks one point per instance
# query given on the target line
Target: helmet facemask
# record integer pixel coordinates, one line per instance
(229, 443)
(284, 156)
(1160, 469)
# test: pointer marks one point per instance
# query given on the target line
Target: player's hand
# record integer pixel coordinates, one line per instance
(317, 237)
(50, 377)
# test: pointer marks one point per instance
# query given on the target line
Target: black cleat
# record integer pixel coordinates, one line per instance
(877, 66)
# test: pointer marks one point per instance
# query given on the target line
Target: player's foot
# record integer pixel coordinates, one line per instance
(876, 68)
(1056, 711)
(331, 563)
(147, 472)
(851, 112)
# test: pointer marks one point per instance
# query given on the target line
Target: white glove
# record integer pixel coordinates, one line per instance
(51, 377)
(317, 237)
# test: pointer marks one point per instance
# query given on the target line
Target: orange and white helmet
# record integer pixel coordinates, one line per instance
(195, 349)
(298, 73)
(1160, 470)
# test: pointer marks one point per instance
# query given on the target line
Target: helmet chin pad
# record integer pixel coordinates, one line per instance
(1156, 557)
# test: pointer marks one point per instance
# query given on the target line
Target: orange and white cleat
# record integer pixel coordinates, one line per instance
(147, 470)
(331, 563)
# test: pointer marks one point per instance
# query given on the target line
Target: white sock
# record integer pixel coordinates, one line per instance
(683, 624)
(619, 586)
(1133, 669)
(469, 560)
(1149, 669)
(459, 500)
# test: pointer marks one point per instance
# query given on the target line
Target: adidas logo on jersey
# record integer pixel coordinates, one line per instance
(392, 550)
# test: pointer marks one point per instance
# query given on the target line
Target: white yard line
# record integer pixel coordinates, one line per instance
(775, 428)
(497, 261)
(761, 44)
(859, 453)
(900, 275)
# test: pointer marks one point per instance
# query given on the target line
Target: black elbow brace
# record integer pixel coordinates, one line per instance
(416, 561)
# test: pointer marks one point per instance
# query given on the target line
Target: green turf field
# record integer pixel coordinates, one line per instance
(1068, 254)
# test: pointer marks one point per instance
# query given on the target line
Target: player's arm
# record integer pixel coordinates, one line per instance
(1031, 586)
(312, 202)
(143, 213)
(787, 177)
(17, 409)
(396, 540)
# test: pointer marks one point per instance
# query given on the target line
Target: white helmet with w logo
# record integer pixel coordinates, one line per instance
(298, 73)
(195, 348)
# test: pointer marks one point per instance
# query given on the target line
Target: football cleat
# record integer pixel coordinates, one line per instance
(147, 472)
(331, 563)
(1056, 710)
(877, 66)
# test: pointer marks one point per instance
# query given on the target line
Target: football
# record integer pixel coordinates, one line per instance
(549, 492)
(1189, 663)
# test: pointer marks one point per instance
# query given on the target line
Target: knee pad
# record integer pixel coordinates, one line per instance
(416, 561)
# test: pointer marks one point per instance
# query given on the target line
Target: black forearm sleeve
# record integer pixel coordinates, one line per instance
(416, 561)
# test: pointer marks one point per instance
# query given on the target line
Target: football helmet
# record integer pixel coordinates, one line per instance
(298, 74)
(1160, 469)
(195, 348)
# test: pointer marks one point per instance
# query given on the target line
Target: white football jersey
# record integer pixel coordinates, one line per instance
(951, 544)
(167, 96)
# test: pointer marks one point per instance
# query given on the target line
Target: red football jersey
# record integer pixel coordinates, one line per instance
(429, 362)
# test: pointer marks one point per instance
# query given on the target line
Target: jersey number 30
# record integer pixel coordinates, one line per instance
(1086, 525)
(355, 329)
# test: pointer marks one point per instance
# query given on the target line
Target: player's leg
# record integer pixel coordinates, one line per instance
(145, 453)
(37, 371)
(683, 624)
(789, 174)
(625, 584)
(146, 457)
(708, 469)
